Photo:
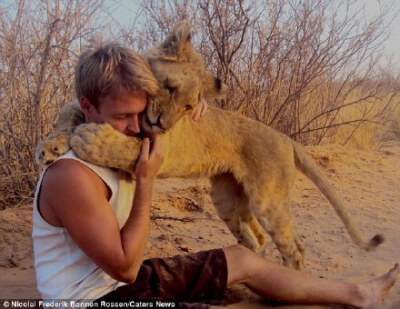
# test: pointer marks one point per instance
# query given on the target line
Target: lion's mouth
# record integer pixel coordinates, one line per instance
(148, 126)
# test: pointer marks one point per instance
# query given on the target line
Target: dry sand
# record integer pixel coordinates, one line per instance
(185, 221)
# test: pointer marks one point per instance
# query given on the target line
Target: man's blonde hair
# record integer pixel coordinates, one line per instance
(109, 69)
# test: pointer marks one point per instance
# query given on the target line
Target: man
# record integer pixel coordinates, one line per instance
(90, 225)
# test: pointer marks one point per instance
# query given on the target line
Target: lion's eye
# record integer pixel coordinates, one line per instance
(188, 107)
(170, 89)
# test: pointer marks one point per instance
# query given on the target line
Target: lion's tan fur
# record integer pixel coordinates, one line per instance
(251, 166)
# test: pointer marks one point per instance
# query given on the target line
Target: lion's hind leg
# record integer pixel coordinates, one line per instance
(232, 205)
(276, 219)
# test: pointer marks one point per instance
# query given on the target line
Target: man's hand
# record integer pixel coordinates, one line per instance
(199, 110)
(150, 159)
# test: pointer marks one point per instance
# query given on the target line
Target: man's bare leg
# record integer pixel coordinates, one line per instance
(283, 284)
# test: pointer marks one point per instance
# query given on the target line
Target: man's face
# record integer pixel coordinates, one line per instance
(121, 111)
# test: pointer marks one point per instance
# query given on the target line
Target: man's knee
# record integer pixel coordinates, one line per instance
(238, 250)
(239, 261)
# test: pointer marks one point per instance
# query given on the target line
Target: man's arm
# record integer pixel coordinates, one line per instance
(79, 199)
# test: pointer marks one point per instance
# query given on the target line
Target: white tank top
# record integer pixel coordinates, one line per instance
(63, 270)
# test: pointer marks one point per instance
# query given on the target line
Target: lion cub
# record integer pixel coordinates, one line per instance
(251, 166)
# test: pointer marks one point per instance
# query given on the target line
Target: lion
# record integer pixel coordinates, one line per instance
(251, 166)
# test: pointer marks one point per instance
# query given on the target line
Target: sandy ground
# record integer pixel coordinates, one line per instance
(185, 221)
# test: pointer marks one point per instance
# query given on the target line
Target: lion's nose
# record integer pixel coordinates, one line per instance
(155, 125)
(158, 123)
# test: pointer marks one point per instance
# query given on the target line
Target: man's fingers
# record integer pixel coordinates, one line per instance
(157, 146)
(151, 157)
(144, 152)
(203, 108)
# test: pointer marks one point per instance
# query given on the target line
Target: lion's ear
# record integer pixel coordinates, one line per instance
(213, 88)
(181, 31)
(177, 41)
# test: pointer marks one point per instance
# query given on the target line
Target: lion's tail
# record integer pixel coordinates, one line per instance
(307, 166)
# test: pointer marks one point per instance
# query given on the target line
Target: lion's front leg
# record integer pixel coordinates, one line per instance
(103, 145)
(53, 146)
(56, 143)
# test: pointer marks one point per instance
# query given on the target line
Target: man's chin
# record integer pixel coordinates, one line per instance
(133, 134)
(142, 134)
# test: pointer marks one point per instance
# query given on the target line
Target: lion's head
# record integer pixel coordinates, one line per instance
(183, 78)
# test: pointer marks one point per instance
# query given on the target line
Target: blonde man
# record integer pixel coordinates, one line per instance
(90, 225)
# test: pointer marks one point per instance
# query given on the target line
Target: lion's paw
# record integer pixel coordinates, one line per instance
(295, 260)
(93, 142)
(52, 147)
(87, 141)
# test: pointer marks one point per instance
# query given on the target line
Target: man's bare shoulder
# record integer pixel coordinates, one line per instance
(70, 189)
(63, 173)
(70, 179)
(69, 172)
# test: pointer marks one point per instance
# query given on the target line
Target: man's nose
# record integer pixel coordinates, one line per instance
(134, 124)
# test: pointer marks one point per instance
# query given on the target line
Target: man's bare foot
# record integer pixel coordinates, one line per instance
(375, 291)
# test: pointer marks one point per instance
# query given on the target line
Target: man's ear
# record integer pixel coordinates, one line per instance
(86, 106)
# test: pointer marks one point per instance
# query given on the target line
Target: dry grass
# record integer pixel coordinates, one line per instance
(382, 123)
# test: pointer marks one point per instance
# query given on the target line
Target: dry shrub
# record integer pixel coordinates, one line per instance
(39, 43)
(303, 67)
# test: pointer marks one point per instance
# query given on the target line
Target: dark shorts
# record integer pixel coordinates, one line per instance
(189, 279)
